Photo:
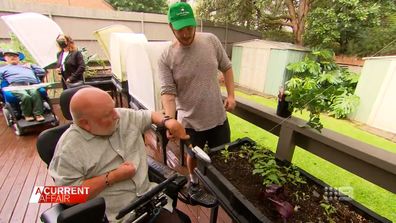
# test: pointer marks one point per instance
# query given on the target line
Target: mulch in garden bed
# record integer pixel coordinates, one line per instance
(305, 198)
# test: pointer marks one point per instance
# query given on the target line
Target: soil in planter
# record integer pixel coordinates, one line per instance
(306, 198)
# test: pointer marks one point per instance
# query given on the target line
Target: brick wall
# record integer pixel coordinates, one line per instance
(347, 60)
(92, 4)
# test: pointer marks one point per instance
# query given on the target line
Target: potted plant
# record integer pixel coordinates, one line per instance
(319, 85)
(283, 109)
(253, 186)
(96, 69)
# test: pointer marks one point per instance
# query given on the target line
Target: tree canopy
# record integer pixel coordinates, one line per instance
(359, 27)
(149, 6)
(354, 27)
(262, 15)
(342, 25)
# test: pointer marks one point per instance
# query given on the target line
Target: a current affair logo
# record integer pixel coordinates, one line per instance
(59, 194)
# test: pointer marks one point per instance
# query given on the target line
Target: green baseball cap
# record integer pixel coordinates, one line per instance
(181, 15)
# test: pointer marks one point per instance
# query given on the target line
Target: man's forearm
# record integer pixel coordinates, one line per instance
(229, 82)
(169, 103)
(96, 185)
(99, 183)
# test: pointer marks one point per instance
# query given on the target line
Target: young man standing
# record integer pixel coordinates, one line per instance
(189, 86)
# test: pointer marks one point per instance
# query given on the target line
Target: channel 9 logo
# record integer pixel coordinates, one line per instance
(338, 193)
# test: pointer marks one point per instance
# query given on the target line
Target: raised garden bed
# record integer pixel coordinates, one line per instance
(97, 74)
(301, 198)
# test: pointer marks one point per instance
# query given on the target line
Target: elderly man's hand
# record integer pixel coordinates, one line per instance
(175, 130)
(125, 171)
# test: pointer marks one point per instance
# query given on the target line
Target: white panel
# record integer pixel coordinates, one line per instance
(103, 36)
(140, 77)
(143, 73)
(253, 68)
(37, 33)
(384, 110)
(244, 68)
(154, 51)
(119, 44)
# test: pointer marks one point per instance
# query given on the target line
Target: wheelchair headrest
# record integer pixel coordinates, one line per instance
(65, 99)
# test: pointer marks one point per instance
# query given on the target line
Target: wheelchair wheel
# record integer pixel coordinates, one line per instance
(17, 129)
(7, 116)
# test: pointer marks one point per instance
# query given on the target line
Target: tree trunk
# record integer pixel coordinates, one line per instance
(298, 18)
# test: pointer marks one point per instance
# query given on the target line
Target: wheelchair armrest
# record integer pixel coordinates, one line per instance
(51, 214)
(90, 211)
(150, 199)
(159, 172)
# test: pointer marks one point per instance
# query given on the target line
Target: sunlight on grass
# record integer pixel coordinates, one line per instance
(373, 197)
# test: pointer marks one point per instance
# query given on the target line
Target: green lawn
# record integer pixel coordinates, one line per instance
(377, 199)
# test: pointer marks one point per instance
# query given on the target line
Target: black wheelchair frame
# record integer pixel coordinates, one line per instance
(13, 114)
(146, 207)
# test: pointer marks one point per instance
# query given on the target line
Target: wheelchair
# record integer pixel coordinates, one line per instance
(144, 209)
(13, 114)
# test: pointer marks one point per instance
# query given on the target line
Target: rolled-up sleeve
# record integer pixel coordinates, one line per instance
(168, 85)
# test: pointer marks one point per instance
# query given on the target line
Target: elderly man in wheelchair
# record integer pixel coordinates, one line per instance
(17, 74)
(104, 150)
(26, 103)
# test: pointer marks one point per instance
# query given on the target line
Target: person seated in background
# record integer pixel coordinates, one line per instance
(17, 74)
(104, 150)
(70, 63)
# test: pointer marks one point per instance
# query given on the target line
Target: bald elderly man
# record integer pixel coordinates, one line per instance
(104, 149)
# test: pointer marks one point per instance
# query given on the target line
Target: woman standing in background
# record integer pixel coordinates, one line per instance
(70, 62)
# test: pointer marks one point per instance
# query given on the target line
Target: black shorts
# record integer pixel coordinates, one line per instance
(216, 136)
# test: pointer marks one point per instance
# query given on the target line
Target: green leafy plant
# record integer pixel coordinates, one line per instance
(226, 153)
(319, 85)
(343, 105)
(301, 196)
(265, 165)
(245, 152)
(91, 59)
(152, 6)
(270, 171)
(294, 176)
(329, 210)
(88, 58)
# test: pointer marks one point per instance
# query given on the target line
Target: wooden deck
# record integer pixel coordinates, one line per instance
(21, 169)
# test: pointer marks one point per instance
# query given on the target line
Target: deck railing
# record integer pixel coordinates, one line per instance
(369, 162)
